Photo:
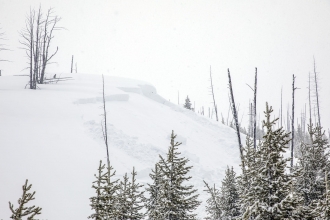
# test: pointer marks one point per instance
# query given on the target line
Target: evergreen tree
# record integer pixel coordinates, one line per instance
(130, 199)
(270, 190)
(22, 210)
(251, 165)
(178, 200)
(136, 198)
(323, 206)
(213, 203)
(155, 190)
(229, 204)
(123, 195)
(187, 103)
(105, 202)
(310, 169)
(97, 202)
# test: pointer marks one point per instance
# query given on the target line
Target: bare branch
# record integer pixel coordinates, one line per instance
(3, 46)
(53, 54)
(250, 87)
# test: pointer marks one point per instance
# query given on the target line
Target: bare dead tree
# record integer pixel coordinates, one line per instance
(255, 111)
(233, 107)
(50, 25)
(304, 121)
(71, 63)
(309, 99)
(292, 122)
(36, 39)
(2, 46)
(27, 42)
(104, 127)
(281, 105)
(228, 110)
(288, 118)
(250, 119)
(215, 106)
(317, 95)
(36, 54)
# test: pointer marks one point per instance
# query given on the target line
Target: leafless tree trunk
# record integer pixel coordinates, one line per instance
(104, 127)
(281, 105)
(236, 120)
(304, 120)
(250, 119)
(71, 63)
(27, 42)
(50, 25)
(255, 112)
(254, 109)
(288, 119)
(215, 106)
(326, 188)
(36, 54)
(317, 95)
(309, 99)
(292, 123)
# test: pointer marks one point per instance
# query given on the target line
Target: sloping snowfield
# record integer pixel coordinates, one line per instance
(53, 137)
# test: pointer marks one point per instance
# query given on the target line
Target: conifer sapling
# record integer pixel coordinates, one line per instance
(179, 200)
(22, 210)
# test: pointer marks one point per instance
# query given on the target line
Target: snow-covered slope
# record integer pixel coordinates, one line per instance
(53, 137)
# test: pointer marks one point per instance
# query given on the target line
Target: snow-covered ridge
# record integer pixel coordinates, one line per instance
(53, 137)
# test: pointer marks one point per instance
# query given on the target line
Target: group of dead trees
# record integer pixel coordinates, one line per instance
(253, 130)
(36, 40)
(2, 46)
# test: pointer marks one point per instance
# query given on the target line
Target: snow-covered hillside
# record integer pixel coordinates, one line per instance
(53, 137)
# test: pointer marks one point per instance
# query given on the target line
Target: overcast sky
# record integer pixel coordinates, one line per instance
(172, 44)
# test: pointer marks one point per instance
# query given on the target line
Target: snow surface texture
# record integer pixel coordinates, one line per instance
(53, 137)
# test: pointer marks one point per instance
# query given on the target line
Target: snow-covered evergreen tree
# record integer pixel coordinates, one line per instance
(23, 210)
(229, 203)
(136, 198)
(130, 199)
(323, 206)
(251, 165)
(310, 169)
(179, 200)
(270, 190)
(213, 203)
(97, 202)
(123, 194)
(155, 195)
(187, 103)
(105, 202)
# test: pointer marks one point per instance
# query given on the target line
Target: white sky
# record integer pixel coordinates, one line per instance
(172, 44)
